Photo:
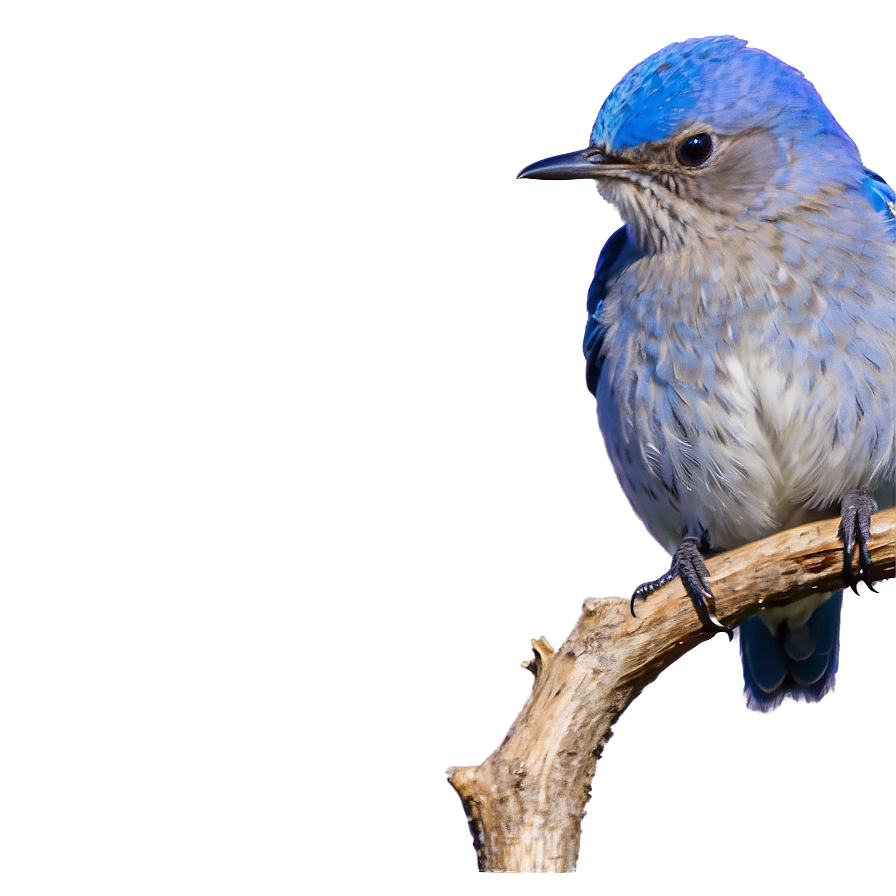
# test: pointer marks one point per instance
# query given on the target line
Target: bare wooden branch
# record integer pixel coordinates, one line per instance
(526, 802)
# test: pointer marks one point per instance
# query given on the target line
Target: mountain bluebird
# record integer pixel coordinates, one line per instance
(741, 335)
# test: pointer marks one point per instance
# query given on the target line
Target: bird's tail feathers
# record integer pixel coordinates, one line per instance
(797, 657)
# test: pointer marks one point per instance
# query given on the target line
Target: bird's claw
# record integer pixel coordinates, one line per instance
(689, 566)
(855, 529)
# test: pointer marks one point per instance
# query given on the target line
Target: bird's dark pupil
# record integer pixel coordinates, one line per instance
(695, 150)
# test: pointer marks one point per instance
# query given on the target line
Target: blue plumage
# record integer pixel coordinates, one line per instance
(799, 662)
(679, 86)
(608, 263)
(741, 332)
(882, 198)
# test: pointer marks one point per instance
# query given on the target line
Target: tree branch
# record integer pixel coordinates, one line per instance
(526, 802)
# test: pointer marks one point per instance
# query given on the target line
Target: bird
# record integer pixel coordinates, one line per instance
(741, 333)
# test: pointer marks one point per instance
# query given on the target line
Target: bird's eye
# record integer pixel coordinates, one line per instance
(694, 151)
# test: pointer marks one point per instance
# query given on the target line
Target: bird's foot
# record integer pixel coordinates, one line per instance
(688, 565)
(855, 529)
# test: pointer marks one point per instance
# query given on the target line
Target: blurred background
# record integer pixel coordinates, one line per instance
(298, 456)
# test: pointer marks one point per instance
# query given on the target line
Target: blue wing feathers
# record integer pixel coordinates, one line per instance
(882, 198)
(607, 266)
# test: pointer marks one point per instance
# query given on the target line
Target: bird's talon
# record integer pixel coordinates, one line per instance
(865, 560)
(689, 566)
(640, 593)
(855, 529)
(721, 627)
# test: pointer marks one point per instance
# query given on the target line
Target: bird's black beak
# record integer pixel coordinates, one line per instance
(588, 162)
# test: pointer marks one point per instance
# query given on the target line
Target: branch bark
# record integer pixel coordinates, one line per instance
(526, 802)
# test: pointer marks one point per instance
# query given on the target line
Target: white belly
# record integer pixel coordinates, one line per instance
(739, 451)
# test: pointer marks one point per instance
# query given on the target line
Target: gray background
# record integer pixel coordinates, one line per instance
(298, 456)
